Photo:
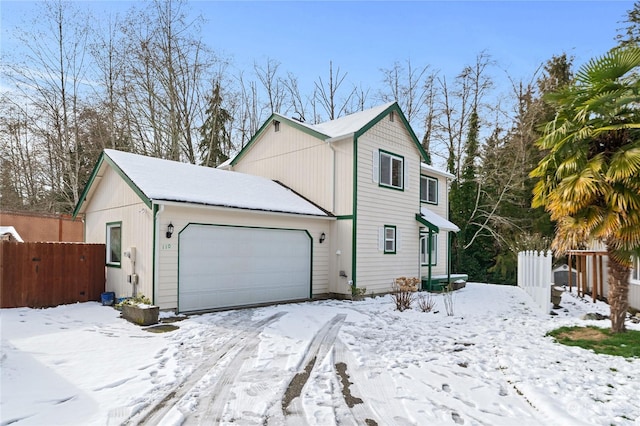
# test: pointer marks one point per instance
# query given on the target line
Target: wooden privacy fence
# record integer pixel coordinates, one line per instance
(535, 277)
(40, 275)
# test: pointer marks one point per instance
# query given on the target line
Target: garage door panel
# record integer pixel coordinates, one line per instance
(224, 266)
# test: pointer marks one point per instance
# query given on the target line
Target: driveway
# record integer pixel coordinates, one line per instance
(329, 363)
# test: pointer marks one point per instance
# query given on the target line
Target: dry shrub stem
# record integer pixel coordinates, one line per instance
(403, 292)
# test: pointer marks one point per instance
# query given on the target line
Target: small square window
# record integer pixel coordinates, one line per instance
(114, 243)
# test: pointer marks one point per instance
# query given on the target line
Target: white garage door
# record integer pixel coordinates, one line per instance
(226, 266)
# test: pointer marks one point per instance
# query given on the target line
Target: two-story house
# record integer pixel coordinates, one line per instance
(302, 211)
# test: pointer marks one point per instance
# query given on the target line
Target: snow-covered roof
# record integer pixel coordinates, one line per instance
(165, 180)
(345, 125)
(439, 221)
(430, 169)
(351, 123)
(4, 230)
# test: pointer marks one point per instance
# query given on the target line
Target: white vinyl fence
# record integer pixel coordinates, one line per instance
(535, 277)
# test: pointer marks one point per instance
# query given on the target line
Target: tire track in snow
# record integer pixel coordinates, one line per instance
(155, 413)
(378, 405)
(319, 347)
(214, 399)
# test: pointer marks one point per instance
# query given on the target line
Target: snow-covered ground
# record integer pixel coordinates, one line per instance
(318, 363)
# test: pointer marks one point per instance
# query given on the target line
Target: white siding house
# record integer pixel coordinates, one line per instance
(301, 211)
(367, 170)
(194, 238)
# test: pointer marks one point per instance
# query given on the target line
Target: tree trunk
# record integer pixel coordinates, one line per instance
(618, 295)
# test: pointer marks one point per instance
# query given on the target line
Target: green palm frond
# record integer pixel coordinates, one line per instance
(609, 67)
(624, 164)
(589, 179)
(622, 199)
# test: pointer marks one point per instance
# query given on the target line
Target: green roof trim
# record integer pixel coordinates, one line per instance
(83, 196)
(395, 108)
(276, 117)
(426, 223)
(104, 157)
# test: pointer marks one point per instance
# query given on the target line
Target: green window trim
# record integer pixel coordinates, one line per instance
(390, 239)
(113, 241)
(387, 177)
(430, 195)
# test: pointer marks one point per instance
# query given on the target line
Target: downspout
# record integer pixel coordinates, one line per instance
(449, 257)
(429, 250)
(333, 175)
(156, 249)
(330, 142)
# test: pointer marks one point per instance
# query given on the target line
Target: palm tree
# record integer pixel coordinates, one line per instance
(589, 179)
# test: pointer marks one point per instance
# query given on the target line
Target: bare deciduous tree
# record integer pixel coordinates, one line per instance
(274, 87)
(51, 79)
(327, 94)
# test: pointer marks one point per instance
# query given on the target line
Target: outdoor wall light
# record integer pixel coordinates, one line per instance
(322, 237)
(169, 230)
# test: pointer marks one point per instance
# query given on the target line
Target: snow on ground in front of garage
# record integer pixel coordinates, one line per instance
(325, 362)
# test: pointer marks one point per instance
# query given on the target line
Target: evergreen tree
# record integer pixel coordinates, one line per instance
(215, 142)
(472, 247)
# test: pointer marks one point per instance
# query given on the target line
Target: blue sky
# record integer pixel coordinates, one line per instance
(361, 37)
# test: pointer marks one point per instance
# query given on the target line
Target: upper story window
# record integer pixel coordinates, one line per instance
(276, 125)
(114, 243)
(391, 170)
(428, 190)
(635, 268)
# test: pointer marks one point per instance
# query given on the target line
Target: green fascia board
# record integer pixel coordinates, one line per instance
(83, 196)
(276, 117)
(426, 223)
(110, 162)
(395, 108)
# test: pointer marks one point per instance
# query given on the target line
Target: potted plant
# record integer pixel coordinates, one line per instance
(139, 310)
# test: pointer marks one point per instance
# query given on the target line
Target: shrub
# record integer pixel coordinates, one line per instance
(447, 296)
(426, 302)
(357, 292)
(403, 292)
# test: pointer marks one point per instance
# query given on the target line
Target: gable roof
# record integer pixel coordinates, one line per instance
(157, 180)
(354, 124)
